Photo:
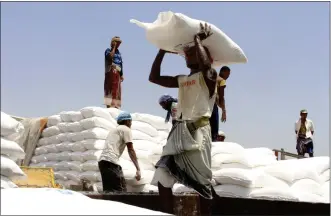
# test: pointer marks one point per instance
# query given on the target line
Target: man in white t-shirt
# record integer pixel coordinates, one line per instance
(304, 129)
(111, 172)
(220, 136)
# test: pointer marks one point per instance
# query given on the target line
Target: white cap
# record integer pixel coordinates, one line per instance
(221, 133)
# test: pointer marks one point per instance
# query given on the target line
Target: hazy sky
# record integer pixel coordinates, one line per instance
(52, 60)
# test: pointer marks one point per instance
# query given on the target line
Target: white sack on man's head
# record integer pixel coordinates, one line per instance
(171, 31)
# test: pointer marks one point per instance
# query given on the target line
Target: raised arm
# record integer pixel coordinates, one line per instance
(155, 75)
(109, 54)
(203, 59)
(202, 56)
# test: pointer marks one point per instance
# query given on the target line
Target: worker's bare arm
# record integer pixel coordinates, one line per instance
(312, 128)
(155, 75)
(221, 99)
(203, 59)
(133, 155)
(110, 54)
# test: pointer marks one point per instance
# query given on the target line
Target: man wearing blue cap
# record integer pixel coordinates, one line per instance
(304, 129)
(111, 172)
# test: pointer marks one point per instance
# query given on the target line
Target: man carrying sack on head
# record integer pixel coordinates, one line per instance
(113, 74)
(186, 157)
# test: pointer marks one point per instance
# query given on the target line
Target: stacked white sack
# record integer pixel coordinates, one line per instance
(250, 173)
(255, 173)
(73, 143)
(11, 131)
(308, 178)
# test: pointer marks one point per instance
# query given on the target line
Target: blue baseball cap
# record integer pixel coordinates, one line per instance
(124, 116)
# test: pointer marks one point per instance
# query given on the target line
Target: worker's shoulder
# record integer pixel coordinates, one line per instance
(309, 120)
(112, 131)
(222, 83)
(123, 128)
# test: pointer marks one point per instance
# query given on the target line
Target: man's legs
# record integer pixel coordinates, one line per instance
(164, 181)
(310, 149)
(301, 148)
(112, 177)
(167, 199)
(167, 202)
(214, 123)
(112, 103)
(205, 206)
(108, 101)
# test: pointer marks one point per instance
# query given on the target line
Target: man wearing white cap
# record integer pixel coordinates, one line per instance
(304, 129)
(220, 136)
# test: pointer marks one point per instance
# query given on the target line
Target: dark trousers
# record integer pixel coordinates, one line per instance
(305, 148)
(214, 123)
(112, 177)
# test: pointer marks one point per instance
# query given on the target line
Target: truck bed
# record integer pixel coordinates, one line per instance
(188, 205)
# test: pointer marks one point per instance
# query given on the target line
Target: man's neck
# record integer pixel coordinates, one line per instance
(193, 71)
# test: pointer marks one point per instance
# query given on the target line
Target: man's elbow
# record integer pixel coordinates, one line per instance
(153, 79)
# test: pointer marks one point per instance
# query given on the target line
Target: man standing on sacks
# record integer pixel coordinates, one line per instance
(186, 157)
(304, 130)
(113, 74)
